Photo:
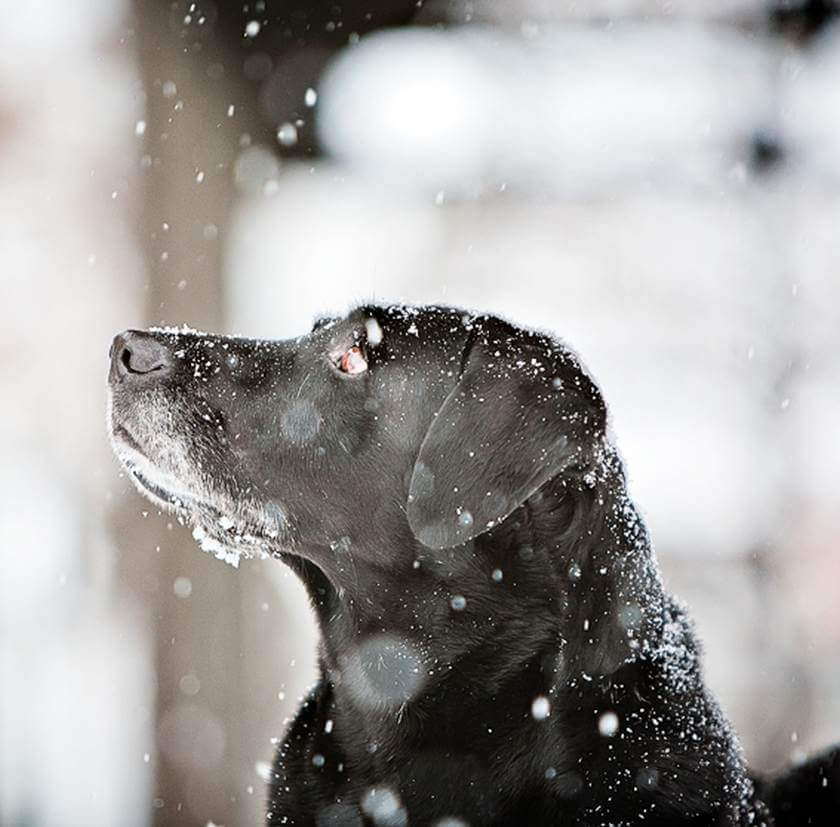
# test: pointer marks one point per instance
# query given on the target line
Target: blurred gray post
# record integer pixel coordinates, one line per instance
(189, 146)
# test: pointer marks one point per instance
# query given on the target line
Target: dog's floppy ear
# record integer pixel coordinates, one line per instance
(522, 411)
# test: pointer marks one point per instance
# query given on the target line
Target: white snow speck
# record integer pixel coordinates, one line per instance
(383, 806)
(252, 28)
(374, 332)
(140, 128)
(287, 134)
(310, 98)
(608, 724)
(182, 586)
(540, 708)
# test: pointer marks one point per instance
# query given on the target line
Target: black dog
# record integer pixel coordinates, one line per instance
(497, 646)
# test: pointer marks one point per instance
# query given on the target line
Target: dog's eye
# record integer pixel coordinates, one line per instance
(353, 361)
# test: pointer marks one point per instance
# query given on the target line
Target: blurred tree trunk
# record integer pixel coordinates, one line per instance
(190, 144)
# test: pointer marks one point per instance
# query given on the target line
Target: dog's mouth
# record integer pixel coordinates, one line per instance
(154, 483)
(226, 537)
(154, 490)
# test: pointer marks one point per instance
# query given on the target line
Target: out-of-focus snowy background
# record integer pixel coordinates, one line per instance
(658, 182)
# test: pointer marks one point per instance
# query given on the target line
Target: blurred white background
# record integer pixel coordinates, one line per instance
(656, 182)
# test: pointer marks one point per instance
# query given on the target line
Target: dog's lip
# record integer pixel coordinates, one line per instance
(134, 459)
(155, 490)
(123, 435)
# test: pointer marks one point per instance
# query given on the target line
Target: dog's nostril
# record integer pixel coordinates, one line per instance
(134, 353)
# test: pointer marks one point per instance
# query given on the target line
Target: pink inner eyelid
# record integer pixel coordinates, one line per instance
(353, 360)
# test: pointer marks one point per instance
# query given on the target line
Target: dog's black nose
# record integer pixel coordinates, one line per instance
(135, 355)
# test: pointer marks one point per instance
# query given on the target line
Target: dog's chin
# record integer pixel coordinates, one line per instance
(228, 539)
(164, 490)
(220, 526)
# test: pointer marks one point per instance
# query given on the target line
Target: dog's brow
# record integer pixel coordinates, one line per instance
(324, 322)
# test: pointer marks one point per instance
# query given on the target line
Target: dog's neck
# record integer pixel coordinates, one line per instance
(564, 587)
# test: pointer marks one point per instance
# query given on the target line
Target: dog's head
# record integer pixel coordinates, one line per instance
(428, 423)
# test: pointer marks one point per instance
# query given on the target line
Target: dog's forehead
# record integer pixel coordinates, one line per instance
(395, 329)
(428, 325)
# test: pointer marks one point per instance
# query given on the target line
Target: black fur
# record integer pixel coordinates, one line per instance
(807, 795)
(497, 646)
